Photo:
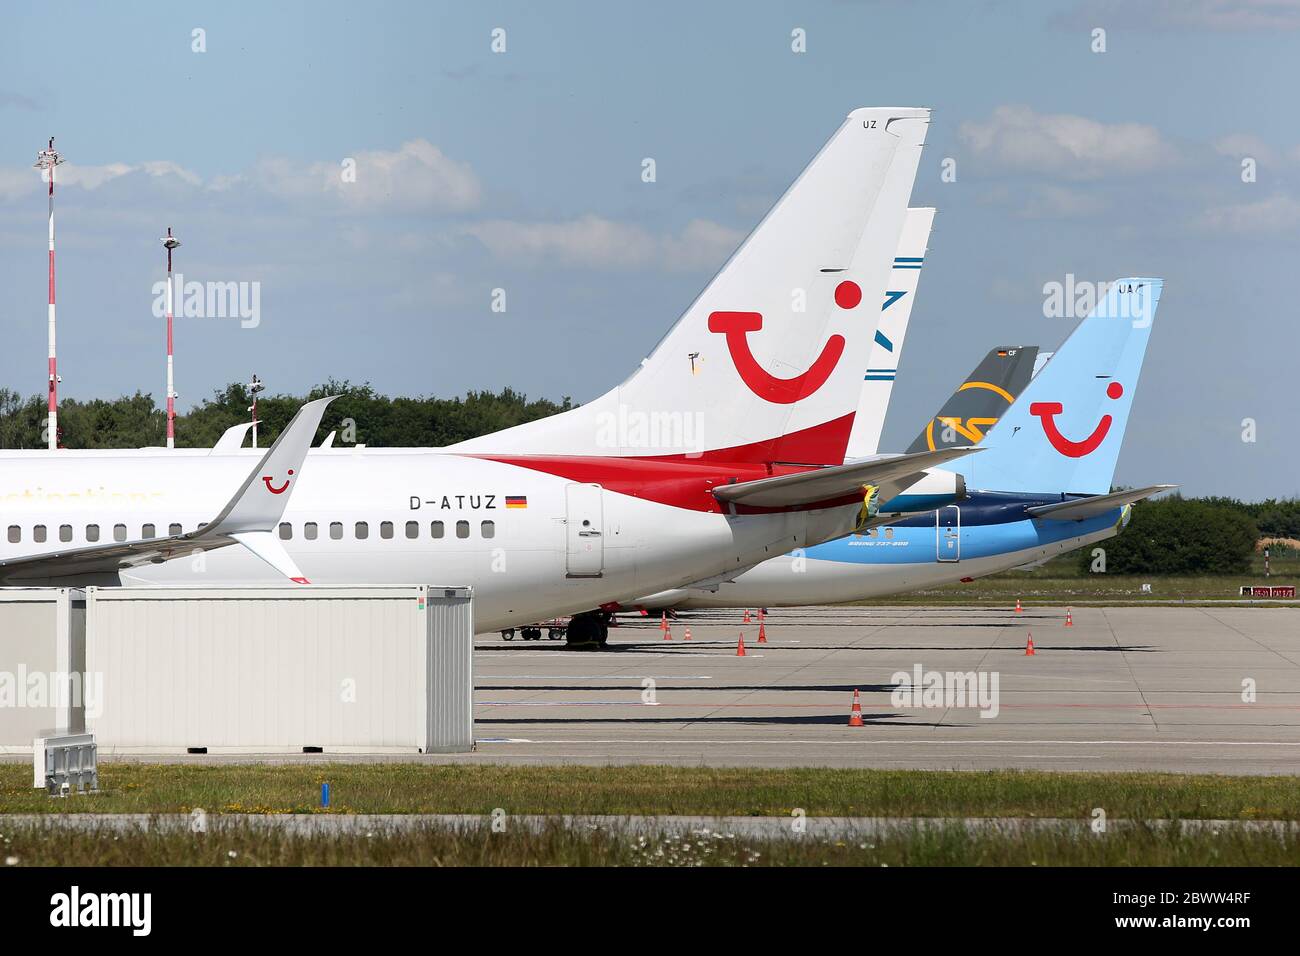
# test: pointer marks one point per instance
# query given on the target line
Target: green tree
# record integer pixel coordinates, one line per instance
(1178, 535)
(359, 415)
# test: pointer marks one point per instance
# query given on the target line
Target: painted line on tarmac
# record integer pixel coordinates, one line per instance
(636, 677)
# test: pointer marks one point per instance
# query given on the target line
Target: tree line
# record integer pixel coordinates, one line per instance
(360, 415)
(1170, 535)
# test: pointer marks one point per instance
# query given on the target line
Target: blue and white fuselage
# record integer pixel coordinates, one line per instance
(983, 534)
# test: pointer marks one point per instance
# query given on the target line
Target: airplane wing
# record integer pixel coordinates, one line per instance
(837, 481)
(1080, 508)
(248, 519)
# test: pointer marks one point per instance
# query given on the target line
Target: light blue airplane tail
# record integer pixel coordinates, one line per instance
(1064, 432)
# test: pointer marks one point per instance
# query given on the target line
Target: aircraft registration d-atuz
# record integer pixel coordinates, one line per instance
(725, 448)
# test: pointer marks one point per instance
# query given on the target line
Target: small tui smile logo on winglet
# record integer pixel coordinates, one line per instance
(267, 479)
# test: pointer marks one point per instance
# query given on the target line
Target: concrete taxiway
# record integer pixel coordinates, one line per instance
(1190, 689)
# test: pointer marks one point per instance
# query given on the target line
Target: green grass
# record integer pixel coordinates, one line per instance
(658, 790)
(560, 846)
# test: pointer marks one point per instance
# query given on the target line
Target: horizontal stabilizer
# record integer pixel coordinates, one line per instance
(837, 481)
(1080, 508)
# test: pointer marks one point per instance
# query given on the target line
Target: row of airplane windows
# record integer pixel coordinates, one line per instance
(310, 531)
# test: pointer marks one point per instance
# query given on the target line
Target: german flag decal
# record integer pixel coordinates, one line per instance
(516, 501)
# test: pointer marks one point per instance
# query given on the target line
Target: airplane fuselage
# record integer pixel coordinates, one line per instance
(532, 544)
(985, 535)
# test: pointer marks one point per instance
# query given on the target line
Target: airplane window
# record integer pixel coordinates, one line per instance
(462, 529)
(309, 531)
(92, 532)
(489, 529)
(412, 529)
(336, 530)
(286, 531)
(15, 534)
(65, 532)
(174, 528)
(38, 534)
(363, 531)
(119, 532)
(147, 531)
(385, 529)
(435, 529)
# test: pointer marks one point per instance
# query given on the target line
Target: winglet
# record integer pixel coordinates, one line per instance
(260, 501)
(231, 440)
(267, 546)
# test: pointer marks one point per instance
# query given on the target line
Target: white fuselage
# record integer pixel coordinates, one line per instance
(401, 516)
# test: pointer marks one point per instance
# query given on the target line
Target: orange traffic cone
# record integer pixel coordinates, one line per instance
(762, 633)
(1017, 605)
(663, 621)
(1029, 648)
(748, 619)
(740, 647)
(855, 714)
(1069, 618)
(668, 634)
(688, 633)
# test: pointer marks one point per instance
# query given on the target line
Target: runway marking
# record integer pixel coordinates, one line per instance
(610, 676)
(628, 655)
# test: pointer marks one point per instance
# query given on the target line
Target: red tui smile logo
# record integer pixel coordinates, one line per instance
(1047, 411)
(736, 326)
(267, 479)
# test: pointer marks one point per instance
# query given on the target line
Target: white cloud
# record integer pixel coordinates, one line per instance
(1278, 213)
(1060, 202)
(16, 183)
(595, 242)
(1064, 146)
(1242, 145)
(416, 177)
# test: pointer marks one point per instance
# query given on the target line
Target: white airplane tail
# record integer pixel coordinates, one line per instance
(887, 349)
(766, 365)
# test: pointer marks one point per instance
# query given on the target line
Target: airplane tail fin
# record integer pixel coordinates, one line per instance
(1064, 432)
(980, 400)
(766, 364)
(887, 348)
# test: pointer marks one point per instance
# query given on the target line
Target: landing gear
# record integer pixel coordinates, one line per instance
(589, 630)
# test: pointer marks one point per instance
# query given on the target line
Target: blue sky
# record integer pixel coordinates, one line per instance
(521, 170)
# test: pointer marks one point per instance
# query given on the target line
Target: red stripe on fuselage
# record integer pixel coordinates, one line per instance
(683, 481)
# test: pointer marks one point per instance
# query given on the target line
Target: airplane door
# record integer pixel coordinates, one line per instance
(947, 533)
(583, 531)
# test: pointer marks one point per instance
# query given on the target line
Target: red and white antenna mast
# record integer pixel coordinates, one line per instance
(170, 242)
(46, 160)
